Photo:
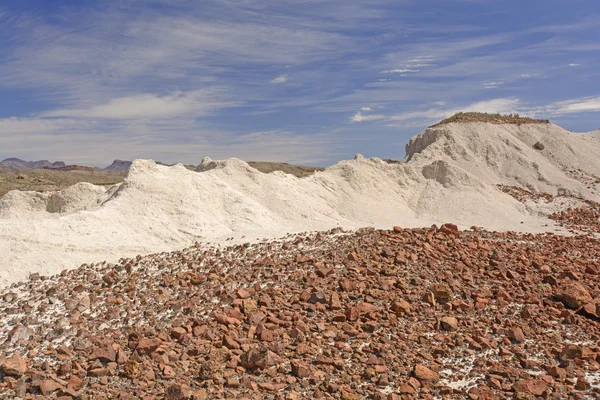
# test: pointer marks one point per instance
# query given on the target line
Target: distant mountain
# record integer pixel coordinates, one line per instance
(123, 166)
(118, 166)
(16, 164)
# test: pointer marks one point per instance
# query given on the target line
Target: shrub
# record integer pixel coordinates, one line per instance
(515, 119)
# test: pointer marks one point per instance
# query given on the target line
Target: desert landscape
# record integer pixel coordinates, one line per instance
(467, 270)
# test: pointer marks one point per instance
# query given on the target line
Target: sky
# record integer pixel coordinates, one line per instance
(306, 81)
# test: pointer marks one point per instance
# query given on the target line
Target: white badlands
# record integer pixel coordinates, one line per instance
(450, 174)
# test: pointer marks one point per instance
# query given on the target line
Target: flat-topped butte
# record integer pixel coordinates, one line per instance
(515, 119)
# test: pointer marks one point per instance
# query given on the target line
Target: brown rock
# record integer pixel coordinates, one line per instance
(49, 386)
(423, 373)
(557, 372)
(300, 369)
(105, 355)
(405, 388)
(75, 383)
(571, 352)
(536, 387)
(349, 396)
(147, 346)
(516, 334)
(258, 358)
(355, 312)
(400, 307)
(14, 366)
(334, 301)
(449, 323)
(111, 278)
(317, 297)
(574, 295)
(178, 332)
(177, 392)
(441, 293)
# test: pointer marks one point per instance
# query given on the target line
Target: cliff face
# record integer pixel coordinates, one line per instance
(539, 157)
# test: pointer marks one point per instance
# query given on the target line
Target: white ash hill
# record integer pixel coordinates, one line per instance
(450, 174)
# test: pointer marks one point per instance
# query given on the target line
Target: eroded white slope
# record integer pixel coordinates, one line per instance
(450, 176)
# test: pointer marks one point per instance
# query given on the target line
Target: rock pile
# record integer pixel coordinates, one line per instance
(404, 313)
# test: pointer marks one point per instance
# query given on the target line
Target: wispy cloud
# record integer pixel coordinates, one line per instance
(582, 105)
(399, 71)
(360, 117)
(149, 106)
(492, 85)
(280, 79)
(500, 105)
(183, 76)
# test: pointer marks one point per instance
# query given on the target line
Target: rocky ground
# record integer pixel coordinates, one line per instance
(406, 313)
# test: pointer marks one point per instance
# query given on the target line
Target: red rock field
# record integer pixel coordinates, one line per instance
(377, 314)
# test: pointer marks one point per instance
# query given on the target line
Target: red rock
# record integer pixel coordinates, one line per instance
(105, 355)
(449, 323)
(557, 372)
(111, 278)
(441, 293)
(147, 346)
(582, 384)
(177, 392)
(449, 228)
(317, 297)
(243, 293)
(400, 306)
(574, 295)
(14, 366)
(49, 386)
(272, 387)
(258, 358)
(232, 383)
(334, 301)
(300, 369)
(516, 334)
(355, 312)
(536, 387)
(571, 352)
(423, 373)
(406, 389)
(75, 383)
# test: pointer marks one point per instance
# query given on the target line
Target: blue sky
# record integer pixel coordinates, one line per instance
(306, 81)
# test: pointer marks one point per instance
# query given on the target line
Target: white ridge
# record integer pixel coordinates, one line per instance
(449, 175)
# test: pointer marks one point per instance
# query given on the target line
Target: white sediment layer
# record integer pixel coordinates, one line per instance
(449, 175)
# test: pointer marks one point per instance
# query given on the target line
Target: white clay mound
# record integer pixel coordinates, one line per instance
(449, 175)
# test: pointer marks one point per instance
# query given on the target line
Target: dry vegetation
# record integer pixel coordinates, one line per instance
(514, 119)
(41, 180)
(299, 171)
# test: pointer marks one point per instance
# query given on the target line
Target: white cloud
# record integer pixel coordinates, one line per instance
(586, 104)
(359, 117)
(500, 106)
(280, 79)
(149, 106)
(492, 85)
(366, 108)
(400, 71)
(530, 76)
(16, 126)
(574, 65)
